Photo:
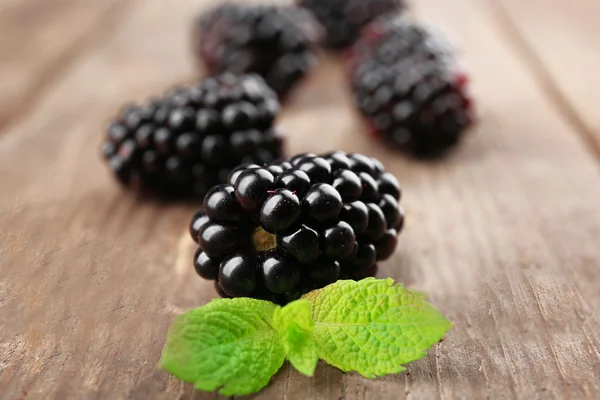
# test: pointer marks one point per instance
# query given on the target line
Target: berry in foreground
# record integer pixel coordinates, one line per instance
(344, 19)
(279, 231)
(184, 143)
(278, 43)
(409, 86)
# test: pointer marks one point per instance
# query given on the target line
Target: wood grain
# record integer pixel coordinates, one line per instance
(562, 44)
(39, 40)
(502, 233)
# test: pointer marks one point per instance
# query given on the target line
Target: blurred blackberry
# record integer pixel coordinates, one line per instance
(278, 43)
(344, 19)
(409, 86)
(279, 231)
(182, 144)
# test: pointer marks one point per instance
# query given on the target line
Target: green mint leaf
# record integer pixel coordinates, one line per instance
(227, 344)
(373, 326)
(295, 327)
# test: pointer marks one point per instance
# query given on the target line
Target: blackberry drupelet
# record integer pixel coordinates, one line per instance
(279, 231)
(409, 86)
(343, 20)
(184, 143)
(278, 43)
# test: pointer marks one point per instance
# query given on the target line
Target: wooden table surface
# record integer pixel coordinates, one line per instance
(504, 233)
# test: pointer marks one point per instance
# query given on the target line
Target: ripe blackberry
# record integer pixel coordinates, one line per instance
(409, 86)
(344, 19)
(279, 231)
(278, 43)
(184, 143)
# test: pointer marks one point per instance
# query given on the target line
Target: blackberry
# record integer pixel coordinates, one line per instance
(278, 43)
(184, 143)
(279, 231)
(343, 20)
(408, 84)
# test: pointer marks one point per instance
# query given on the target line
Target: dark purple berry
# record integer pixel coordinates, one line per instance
(206, 267)
(302, 244)
(338, 241)
(208, 120)
(237, 171)
(220, 204)
(357, 215)
(348, 184)
(352, 256)
(377, 224)
(317, 169)
(215, 149)
(162, 140)
(108, 150)
(370, 188)
(378, 166)
(268, 112)
(386, 245)
(365, 257)
(323, 272)
(143, 136)
(116, 132)
(217, 240)
(252, 186)
(367, 272)
(400, 225)
(391, 210)
(288, 297)
(280, 273)
(187, 144)
(338, 161)
(239, 116)
(388, 184)
(362, 163)
(182, 119)
(294, 180)
(301, 158)
(237, 275)
(221, 292)
(275, 170)
(198, 221)
(322, 202)
(246, 142)
(280, 211)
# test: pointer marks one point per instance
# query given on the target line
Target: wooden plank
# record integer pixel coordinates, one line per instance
(524, 280)
(562, 43)
(501, 233)
(38, 40)
(7, 4)
(70, 346)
